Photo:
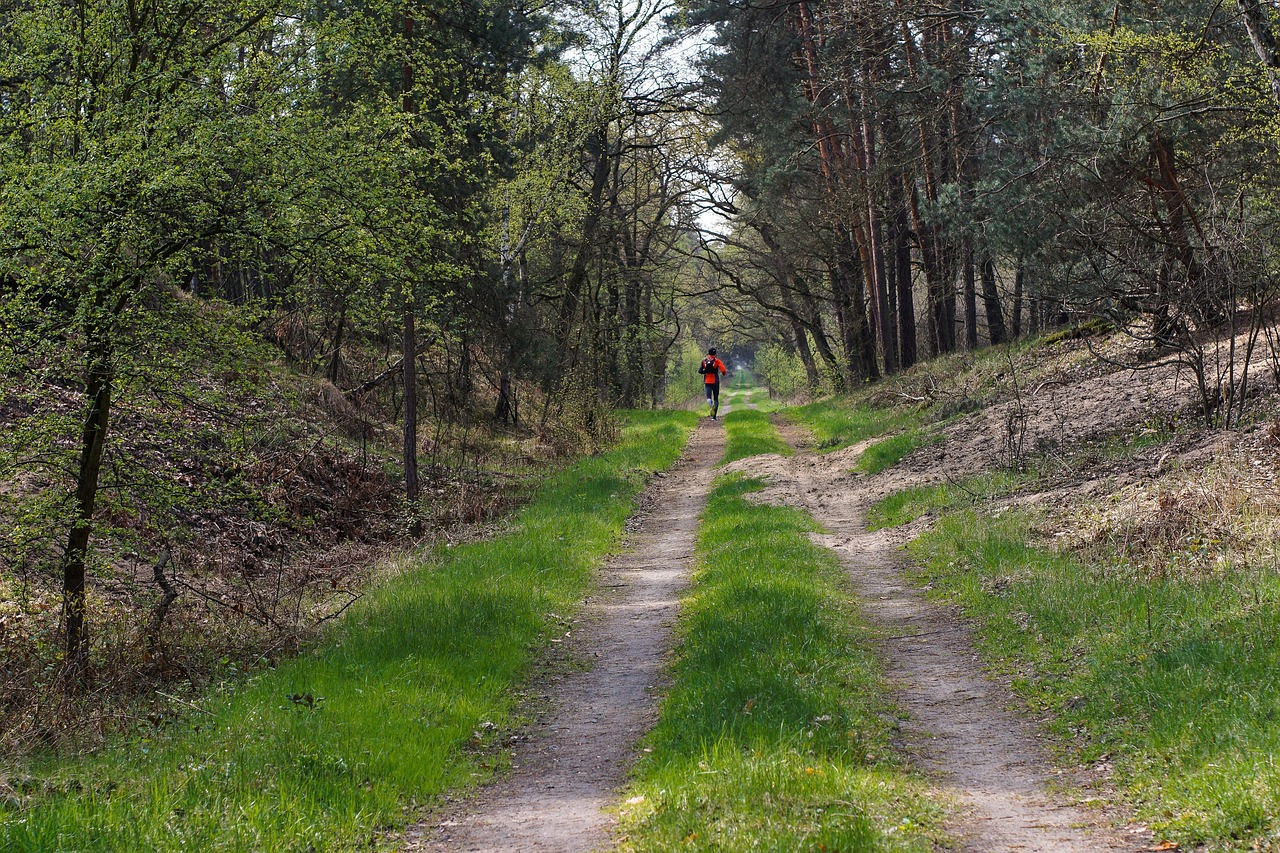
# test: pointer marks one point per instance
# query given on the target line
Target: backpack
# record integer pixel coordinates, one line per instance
(708, 366)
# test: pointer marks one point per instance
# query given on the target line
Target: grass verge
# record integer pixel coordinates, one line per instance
(749, 432)
(775, 734)
(330, 750)
(1174, 680)
(886, 453)
(907, 505)
(838, 422)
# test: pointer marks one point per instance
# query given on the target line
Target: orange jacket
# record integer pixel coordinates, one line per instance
(714, 367)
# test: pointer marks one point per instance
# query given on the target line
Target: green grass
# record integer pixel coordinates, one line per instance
(749, 433)
(885, 454)
(761, 400)
(774, 734)
(329, 750)
(906, 506)
(838, 422)
(1176, 680)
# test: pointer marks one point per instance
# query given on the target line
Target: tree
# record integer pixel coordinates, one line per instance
(124, 128)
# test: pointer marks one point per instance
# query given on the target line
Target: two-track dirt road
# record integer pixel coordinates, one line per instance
(959, 729)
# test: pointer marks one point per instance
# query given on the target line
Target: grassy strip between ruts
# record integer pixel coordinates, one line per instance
(1174, 680)
(330, 750)
(776, 733)
(749, 432)
(839, 422)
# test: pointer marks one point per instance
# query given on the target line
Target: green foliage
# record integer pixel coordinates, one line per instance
(750, 432)
(148, 152)
(684, 383)
(332, 748)
(777, 710)
(781, 371)
(1170, 679)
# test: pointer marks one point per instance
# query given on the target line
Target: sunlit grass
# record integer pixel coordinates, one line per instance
(329, 750)
(776, 734)
(909, 504)
(888, 452)
(1174, 679)
(839, 422)
(750, 432)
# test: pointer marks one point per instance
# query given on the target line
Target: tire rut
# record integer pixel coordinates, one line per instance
(959, 729)
(571, 765)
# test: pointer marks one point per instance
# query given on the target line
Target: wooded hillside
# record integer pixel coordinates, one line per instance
(284, 283)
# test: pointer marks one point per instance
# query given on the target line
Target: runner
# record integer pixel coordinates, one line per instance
(711, 369)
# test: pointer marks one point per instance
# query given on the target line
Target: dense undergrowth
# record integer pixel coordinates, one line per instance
(331, 749)
(774, 734)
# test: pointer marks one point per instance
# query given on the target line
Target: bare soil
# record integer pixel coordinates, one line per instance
(567, 769)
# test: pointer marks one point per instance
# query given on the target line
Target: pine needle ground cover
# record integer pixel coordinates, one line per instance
(776, 733)
(332, 749)
(1172, 677)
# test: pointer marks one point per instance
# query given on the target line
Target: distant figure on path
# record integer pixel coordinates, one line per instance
(712, 369)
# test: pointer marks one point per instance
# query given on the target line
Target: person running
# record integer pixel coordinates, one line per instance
(712, 369)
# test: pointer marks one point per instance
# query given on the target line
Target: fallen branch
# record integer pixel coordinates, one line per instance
(390, 373)
(193, 706)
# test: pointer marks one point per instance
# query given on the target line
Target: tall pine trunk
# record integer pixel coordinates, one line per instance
(991, 301)
(970, 299)
(900, 238)
(1019, 281)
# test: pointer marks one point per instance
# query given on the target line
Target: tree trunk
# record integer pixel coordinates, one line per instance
(900, 237)
(410, 371)
(1198, 295)
(991, 301)
(505, 410)
(851, 307)
(93, 440)
(410, 358)
(1264, 41)
(970, 299)
(939, 273)
(576, 283)
(335, 357)
(1018, 282)
(885, 315)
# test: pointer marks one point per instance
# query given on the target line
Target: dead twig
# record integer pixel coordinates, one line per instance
(170, 595)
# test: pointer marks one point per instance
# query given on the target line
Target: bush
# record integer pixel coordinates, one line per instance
(683, 381)
(781, 372)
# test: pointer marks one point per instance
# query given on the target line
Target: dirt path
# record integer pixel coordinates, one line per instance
(959, 729)
(568, 769)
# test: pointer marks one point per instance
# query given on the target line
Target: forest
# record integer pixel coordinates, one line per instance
(301, 301)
